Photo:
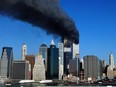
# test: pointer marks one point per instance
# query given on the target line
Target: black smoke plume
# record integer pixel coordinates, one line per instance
(46, 14)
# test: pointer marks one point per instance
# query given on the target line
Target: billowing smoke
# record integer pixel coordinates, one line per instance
(46, 14)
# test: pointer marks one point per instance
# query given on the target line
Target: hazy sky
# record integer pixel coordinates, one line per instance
(95, 20)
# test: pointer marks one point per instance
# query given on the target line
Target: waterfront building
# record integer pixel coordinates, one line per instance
(24, 51)
(20, 70)
(31, 59)
(53, 62)
(4, 65)
(61, 60)
(9, 55)
(91, 67)
(39, 69)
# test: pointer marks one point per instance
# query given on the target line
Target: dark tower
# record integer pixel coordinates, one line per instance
(52, 62)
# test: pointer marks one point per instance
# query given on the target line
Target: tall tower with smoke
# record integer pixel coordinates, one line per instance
(24, 51)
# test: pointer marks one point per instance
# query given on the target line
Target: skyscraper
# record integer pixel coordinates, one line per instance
(53, 62)
(91, 67)
(67, 55)
(9, 53)
(39, 69)
(82, 64)
(43, 51)
(24, 51)
(75, 50)
(61, 60)
(104, 63)
(111, 68)
(4, 65)
(111, 60)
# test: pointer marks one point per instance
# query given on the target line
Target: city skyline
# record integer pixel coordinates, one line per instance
(95, 21)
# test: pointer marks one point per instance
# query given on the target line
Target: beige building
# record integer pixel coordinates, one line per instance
(111, 70)
(39, 69)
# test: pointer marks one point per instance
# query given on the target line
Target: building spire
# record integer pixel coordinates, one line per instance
(111, 60)
(52, 42)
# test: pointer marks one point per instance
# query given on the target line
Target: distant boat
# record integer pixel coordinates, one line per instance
(45, 81)
(8, 84)
(26, 81)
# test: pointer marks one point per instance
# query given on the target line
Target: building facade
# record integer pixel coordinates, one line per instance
(20, 70)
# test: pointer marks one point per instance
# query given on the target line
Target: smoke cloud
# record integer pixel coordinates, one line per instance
(46, 14)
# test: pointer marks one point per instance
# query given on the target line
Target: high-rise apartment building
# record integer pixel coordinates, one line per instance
(24, 51)
(53, 62)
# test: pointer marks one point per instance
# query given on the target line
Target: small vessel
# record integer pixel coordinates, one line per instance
(8, 84)
(45, 81)
(26, 81)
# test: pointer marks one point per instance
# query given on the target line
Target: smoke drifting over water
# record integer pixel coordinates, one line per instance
(42, 13)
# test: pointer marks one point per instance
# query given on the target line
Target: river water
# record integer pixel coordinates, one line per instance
(60, 85)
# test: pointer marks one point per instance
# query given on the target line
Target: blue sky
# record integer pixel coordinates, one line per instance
(95, 20)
